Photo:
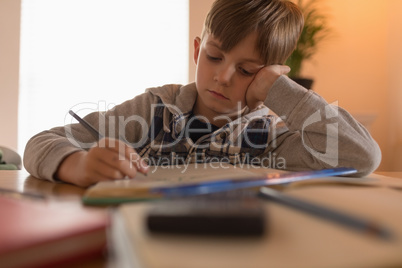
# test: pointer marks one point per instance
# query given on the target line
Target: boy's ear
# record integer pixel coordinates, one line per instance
(197, 44)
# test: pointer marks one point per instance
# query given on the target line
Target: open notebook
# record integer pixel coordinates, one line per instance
(195, 179)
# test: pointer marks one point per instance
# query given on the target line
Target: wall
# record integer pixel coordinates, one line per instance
(358, 67)
(9, 69)
(198, 12)
(395, 85)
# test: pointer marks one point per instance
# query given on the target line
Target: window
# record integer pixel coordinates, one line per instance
(79, 52)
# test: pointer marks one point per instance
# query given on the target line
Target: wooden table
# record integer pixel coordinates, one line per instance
(392, 174)
(21, 181)
(297, 239)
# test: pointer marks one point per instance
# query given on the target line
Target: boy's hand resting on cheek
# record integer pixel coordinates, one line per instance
(263, 81)
(110, 159)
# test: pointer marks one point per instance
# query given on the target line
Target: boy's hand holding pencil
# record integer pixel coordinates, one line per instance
(109, 159)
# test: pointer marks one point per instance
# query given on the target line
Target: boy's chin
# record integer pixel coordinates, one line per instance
(231, 113)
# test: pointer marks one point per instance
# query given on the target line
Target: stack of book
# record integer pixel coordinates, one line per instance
(46, 234)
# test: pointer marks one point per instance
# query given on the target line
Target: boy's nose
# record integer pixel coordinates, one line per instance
(224, 75)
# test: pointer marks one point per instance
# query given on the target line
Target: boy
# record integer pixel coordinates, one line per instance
(223, 116)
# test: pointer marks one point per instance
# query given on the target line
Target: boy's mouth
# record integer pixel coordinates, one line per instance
(217, 95)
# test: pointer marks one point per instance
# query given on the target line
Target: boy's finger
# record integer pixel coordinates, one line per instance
(136, 160)
(126, 152)
(285, 69)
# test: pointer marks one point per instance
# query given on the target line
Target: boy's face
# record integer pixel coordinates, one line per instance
(222, 78)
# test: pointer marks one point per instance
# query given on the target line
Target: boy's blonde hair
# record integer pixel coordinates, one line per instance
(278, 24)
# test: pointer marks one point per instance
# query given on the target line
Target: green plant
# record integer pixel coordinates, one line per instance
(315, 29)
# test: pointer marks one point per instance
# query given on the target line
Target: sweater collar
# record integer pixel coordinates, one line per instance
(179, 101)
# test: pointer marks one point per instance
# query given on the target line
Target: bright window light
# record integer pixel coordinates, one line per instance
(91, 51)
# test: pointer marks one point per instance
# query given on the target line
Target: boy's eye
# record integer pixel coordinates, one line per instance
(213, 58)
(245, 72)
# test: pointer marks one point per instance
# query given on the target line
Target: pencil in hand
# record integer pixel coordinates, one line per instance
(91, 129)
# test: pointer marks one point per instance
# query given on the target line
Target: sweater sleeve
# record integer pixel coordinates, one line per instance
(312, 134)
(128, 121)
